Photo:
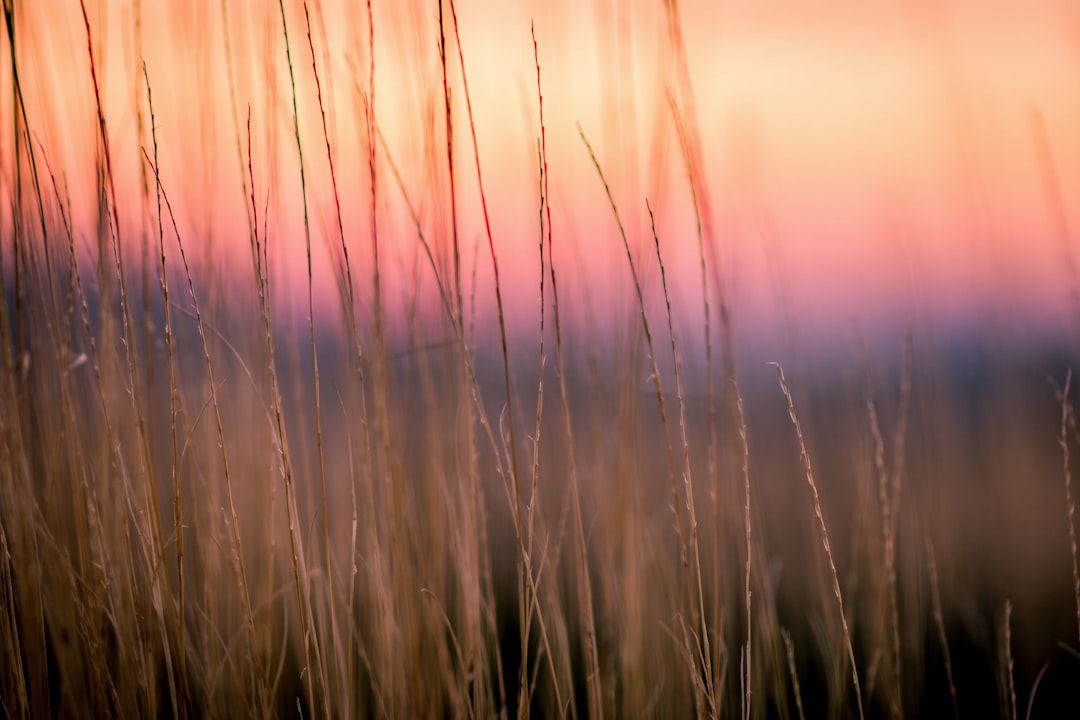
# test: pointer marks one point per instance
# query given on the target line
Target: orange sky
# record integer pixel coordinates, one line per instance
(857, 161)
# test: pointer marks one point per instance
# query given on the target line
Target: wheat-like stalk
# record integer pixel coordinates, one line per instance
(808, 470)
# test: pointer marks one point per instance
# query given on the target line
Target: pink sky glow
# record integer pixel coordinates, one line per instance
(880, 160)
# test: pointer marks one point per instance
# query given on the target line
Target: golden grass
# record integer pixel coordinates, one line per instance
(624, 572)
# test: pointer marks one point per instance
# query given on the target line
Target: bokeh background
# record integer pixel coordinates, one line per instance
(873, 182)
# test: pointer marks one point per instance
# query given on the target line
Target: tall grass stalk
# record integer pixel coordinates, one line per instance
(10, 625)
(805, 455)
(474, 523)
(260, 255)
(339, 683)
(676, 502)
(789, 647)
(586, 612)
(1007, 667)
(313, 655)
(34, 675)
(886, 508)
(241, 576)
(526, 580)
(148, 330)
(1070, 505)
(93, 547)
(705, 653)
(155, 549)
(939, 624)
(178, 515)
(469, 390)
(114, 231)
(744, 447)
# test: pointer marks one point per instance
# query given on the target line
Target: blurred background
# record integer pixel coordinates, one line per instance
(872, 181)
(905, 161)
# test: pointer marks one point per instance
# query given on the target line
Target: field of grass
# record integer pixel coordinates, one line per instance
(370, 484)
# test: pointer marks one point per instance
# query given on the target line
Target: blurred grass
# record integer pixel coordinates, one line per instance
(884, 533)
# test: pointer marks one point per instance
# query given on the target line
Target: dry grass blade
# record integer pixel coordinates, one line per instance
(339, 683)
(528, 601)
(160, 584)
(178, 520)
(1069, 503)
(713, 445)
(706, 670)
(748, 681)
(312, 652)
(939, 623)
(584, 579)
(21, 703)
(789, 647)
(129, 331)
(805, 455)
(1007, 668)
(234, 524)
(888, 525)
(676, 503)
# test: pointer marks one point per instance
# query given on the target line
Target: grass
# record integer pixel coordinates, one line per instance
(215, 503)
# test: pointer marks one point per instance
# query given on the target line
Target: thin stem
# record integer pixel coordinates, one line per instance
(587, 613)
(1069, 503)
(824, 534)
(178, 519)
(688, 483)
(311, 642)
(331, 597)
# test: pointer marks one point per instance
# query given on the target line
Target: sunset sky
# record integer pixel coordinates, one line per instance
(893, 161)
